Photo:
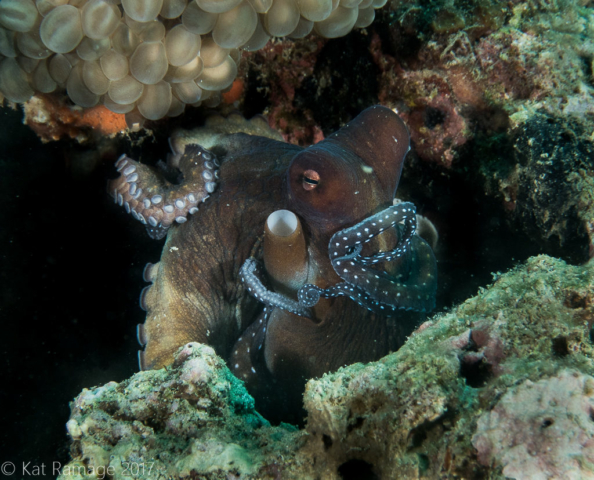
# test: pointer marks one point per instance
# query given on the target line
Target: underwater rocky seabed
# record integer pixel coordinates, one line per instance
(504, 175)
(497, 388)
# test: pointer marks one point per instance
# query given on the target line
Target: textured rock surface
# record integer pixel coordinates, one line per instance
(195, 416)
(431, 410)
(413, 414)
(543, 175)
(541, 430)
(455, 69)
(469, 82)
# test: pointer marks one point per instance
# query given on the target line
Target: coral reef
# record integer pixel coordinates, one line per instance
(440, 406)
(194, 417)
(542, 173)
(150, 58)
(491, 72)
(498, 99)
(453, 69)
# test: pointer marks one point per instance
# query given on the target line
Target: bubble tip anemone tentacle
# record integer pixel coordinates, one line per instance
(150, 58)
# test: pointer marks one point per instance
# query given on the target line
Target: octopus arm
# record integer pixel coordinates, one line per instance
(251, 277)
(247, 356)
(151, 199)
(354, 237)
(370, 287)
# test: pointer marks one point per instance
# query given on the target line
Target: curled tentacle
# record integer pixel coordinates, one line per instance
(157, 203)
(372, 288)
(309, 295)
(383, 292)
(250, 278)
(342, 242)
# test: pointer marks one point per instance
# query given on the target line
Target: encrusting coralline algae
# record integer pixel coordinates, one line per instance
(501, 387)
(195, 415)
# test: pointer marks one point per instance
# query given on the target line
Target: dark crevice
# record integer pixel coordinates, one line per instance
(255, 99)
(547, 422)
(357, 470)
(344, 82)
(560, 346)
(475, 373)
(419, 434)
(586, 66)
(433, 117)
(576, 300)
(358, 423)
(424, 463)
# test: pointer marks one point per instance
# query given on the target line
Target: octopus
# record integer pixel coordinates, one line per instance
(291, 262)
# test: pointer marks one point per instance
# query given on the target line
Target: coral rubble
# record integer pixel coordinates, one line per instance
(513, 363)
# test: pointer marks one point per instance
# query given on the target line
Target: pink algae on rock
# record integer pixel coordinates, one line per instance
(541, 430)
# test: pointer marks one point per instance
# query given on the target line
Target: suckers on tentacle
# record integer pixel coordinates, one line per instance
(157, 203)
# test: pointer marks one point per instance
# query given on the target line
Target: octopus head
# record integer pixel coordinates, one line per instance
(352, 174)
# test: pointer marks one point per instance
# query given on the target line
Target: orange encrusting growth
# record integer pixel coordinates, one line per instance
(103, 120)
(52, 118)
(234, 93)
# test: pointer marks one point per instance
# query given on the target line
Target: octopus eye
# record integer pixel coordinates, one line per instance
(311, 179)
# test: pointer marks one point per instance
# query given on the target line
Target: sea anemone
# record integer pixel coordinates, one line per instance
(151, 57)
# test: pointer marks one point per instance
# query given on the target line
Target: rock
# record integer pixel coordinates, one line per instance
(413, 414)
(545, 184)
(193, 417)
(549, 437)
(448, 404)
